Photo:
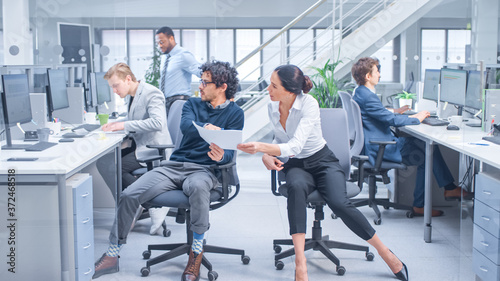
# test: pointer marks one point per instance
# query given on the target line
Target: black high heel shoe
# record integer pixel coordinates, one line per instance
(403, 273)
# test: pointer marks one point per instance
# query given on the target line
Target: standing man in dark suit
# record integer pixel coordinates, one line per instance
(177, 67)
(377, 122)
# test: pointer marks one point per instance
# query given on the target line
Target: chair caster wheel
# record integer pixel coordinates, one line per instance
(145, 271)
(340, 270)
(279, 265)
(277, 249)
(245, 259)
(167, 232)
(146, 255)
(387, 207)
(409, 214)
(377, 221)
(334, 216)
(212, 275)
(369, 256)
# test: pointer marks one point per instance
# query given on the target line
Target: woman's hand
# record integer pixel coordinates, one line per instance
(271, 162)
(216, 153)
(421, 115)
(249, 147)
(115, 126)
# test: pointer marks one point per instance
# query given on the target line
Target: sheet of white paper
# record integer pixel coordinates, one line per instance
(225, 139)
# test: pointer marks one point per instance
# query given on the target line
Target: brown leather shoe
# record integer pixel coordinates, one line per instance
(105, 265)
(419, 212)
(192, 271)
(456, 194)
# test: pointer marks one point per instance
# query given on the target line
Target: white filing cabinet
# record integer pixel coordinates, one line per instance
(83, 225)
(486, 239)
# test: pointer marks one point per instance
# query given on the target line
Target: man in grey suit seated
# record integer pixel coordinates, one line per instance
(146, 123)
(189, 168)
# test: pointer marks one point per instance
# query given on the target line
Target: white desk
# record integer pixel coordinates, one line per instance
(49, 173)
(455, 140)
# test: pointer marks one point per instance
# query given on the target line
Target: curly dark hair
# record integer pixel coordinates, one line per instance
(223, 72)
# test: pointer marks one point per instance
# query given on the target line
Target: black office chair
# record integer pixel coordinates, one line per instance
(375, 173)
(335, 132)
(177, 199)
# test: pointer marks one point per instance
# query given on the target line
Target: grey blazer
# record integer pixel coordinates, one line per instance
(147, 118)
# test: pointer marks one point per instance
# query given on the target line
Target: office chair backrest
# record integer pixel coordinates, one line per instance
(346, 104)
(334, 127)
(174, 122)
(359, 137)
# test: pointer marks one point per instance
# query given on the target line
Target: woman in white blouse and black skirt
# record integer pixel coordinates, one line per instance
(312, 165)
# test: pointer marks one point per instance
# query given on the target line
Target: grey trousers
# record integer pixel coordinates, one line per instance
(195, 180)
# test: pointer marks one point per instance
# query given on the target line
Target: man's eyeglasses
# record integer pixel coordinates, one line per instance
(378, 67)
(204, 83)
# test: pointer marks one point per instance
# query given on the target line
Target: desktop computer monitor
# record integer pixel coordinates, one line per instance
(57, 94)
(473, 92)
(102, 87)
(431, 84)
(453, 86)
(15, 104)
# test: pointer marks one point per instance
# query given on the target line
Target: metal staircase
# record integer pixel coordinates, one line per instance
(368, 25)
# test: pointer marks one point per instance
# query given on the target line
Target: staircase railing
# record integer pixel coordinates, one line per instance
(253, 96)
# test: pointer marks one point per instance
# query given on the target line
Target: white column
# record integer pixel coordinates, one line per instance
(484, 39)
(402, 58)
(17, 40)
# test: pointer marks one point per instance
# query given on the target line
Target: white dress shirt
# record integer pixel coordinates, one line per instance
(181, 66)
(302, 137)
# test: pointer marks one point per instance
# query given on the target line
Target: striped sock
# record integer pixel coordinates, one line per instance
(113, 250)
(197, 246)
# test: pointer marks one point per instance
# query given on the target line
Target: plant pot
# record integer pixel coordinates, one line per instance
(403, 102)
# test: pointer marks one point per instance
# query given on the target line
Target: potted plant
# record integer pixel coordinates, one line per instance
(325, 86)
(152, 75)
(406, 98)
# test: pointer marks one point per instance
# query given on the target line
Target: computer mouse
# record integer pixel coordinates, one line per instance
(66, 140)
(453, 127)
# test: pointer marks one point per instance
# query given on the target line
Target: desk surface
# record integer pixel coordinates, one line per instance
(63, 157)
(459, 141)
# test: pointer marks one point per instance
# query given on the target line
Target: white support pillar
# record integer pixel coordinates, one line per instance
(402, 58)
(484, 39)
(17, 40)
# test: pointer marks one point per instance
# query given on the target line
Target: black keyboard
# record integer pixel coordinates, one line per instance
(74, 135)
(410, 112)
(87, 127)
(495, 140)
(40, 146)
(435, 122)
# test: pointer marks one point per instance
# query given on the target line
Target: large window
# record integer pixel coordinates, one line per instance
(116, 41)
(299, 38)
(248, 40)
(386, 57)
(141, 44)
(222, 45)
(440, 46)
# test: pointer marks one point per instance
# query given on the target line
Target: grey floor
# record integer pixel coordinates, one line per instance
(256, 217)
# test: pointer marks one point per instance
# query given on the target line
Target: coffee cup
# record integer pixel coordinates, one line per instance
(455, 120)
(43, 134)
(55, 127)
(103, 118)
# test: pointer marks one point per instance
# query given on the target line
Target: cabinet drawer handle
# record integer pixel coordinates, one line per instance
(484, 244)
(487, 192)
(483, 268)
(87, 246)
(88, 271)
(85, 194)
(86, 220)
(486, 218)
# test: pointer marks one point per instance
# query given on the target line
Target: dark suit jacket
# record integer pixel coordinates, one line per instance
(377, 122)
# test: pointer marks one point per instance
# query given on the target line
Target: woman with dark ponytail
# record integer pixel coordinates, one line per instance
(298, 138)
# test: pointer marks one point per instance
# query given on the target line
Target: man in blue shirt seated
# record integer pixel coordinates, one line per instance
(176, 68)
(188, 168)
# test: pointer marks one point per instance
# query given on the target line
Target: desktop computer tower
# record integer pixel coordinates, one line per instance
(491, 108)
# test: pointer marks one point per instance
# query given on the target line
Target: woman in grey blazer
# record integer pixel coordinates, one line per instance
(146, 123)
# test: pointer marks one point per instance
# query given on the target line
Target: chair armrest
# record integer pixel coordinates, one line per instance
(224, 169)
(380, 153)
(149, 161)
(161, 148)
(274, 183)
(361, 159)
